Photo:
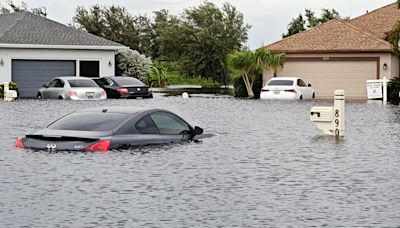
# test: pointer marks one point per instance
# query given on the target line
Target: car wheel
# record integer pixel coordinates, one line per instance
(39, 96)
(313, 96)
(301, 97)
(60, 98)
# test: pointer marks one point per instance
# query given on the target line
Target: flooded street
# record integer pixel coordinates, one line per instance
(267, 166)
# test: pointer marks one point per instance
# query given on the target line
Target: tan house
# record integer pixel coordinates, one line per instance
(342, 54)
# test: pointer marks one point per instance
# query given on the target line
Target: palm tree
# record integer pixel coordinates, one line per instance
(268, 60)
(244, 64)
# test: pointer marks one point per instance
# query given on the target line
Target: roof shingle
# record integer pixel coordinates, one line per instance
(380, 21)
(335, 36)
(28, 28)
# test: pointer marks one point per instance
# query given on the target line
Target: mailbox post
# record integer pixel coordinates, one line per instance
(331, 120)
(338, 116)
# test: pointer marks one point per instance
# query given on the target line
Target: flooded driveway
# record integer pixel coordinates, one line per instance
(268, 166)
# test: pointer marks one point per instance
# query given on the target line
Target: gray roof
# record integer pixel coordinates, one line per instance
(28, 28)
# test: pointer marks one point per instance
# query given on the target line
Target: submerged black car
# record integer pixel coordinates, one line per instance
(107, 128)
(124, 87)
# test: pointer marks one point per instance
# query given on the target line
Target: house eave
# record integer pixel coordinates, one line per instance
(69, 47)
(330, 51)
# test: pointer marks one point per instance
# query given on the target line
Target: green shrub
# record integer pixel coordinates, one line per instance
(393, 90)
(157, 77)
(240, 87)
(257, 86)
(209, 83)
(13, 86)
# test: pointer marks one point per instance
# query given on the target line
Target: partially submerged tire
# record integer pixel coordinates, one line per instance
(39, 96)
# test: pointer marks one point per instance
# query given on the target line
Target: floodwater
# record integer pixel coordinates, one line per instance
(267, 166)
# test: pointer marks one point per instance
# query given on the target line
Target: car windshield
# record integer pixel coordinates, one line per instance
(123, 81)
(280, 83)
(82, 83)
(86, 121)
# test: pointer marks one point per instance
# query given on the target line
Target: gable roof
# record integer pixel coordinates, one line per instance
(380, 21)
(24, 28)
(334, 36)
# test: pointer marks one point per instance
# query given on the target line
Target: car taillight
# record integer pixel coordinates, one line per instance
(102, 145)
(19, 143)
(265, 90)
(72, 93)
(290, 90)
(149, 90)
(123, 91)
(104, 94)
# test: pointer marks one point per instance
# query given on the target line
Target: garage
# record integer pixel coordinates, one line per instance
(30, 75)
(326, 76)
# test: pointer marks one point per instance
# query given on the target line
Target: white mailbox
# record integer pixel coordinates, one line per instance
(331, 119)
(323, 118)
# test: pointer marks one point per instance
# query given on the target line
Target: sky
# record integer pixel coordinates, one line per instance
(268, 18)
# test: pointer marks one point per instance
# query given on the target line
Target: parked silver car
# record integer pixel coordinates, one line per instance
(71, 88)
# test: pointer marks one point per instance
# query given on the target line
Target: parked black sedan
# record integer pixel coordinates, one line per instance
(107, 128)
(124, 87)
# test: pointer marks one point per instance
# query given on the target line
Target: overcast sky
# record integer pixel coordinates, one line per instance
(268, 18)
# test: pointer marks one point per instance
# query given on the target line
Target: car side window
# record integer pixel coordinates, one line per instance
(59, 83)
(168, 123)
(301, 83)
(52, 83)
(101, 81)
(146, 126)
(109, 82)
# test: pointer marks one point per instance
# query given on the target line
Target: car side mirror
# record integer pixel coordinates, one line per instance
(197, 131)
(45, 86)
(309, 85)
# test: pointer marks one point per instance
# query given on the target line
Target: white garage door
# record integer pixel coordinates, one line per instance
(326, 76)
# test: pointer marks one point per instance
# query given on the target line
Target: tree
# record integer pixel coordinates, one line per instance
(295, 26)
(202, 38)
(133, 64)
(244, 63)
(116, 24)
(300, 24)
(267, 60)
(23, 7)
(394, 38)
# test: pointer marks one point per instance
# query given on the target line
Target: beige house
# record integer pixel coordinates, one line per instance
(342, 54)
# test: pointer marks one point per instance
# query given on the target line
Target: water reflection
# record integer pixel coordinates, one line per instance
(268, 166)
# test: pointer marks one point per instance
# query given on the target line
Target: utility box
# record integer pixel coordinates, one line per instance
(323, 118)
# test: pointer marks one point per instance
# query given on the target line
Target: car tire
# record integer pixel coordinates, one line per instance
(60, 98)
(313, 96)
(39, 96)
(301, 97)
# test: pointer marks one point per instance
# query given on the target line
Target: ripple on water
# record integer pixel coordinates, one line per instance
(268, 166)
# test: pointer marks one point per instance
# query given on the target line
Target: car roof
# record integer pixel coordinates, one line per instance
(113, 77)
(74, 77)
(119, 109)
(285, 78)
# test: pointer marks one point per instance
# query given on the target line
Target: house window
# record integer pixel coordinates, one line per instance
(89, 68)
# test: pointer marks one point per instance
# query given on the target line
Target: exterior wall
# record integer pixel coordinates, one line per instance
(8, 54)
